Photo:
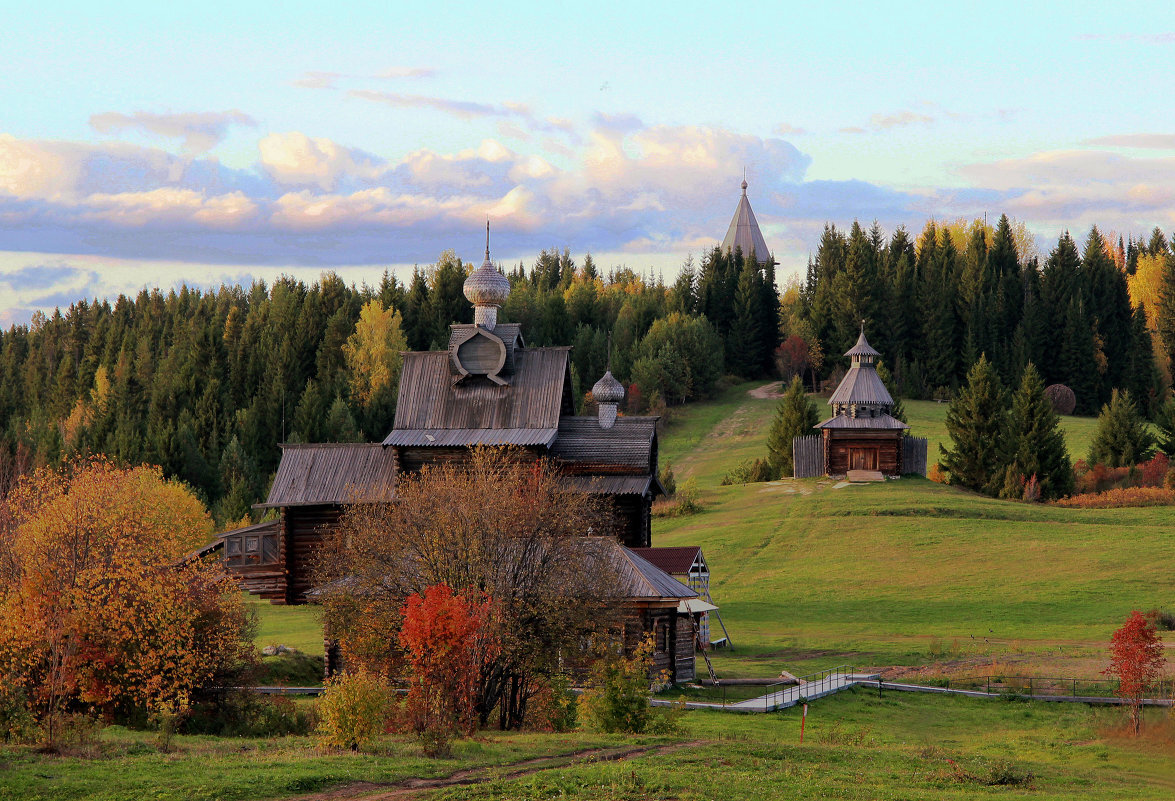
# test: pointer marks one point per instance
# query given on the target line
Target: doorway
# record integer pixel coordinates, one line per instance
(862, 458)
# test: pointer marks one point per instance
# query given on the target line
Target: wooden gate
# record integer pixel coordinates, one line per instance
(914, 455)
(808, 456)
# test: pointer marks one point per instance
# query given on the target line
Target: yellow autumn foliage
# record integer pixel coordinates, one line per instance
(96, 607)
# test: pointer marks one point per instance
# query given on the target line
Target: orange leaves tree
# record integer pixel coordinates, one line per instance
(499, 527)
(448, 641)
(1136, 660)
(96, 609)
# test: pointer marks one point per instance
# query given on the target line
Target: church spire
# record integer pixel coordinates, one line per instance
(487, 289)
(744, 232)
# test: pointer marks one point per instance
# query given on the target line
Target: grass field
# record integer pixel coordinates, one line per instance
(856, 746)
(906, 572)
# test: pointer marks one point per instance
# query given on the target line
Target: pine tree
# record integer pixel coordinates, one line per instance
(1077, 359)
(1035, 443)
(975, 421)
(1122, 438)
(1141, 373)
(795, 416)
(898, 412)
(1165, 427)
(745, 340)
(1165, 312)
(940, 329)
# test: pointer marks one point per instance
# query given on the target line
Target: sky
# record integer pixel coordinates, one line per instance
(148, 144)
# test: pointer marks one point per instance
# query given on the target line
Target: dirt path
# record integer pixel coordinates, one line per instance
(368, 791)
(772, 390)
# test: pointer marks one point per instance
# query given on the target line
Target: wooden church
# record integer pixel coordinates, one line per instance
(862, 436)
(486, 388)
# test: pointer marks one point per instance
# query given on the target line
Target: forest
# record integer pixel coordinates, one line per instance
(207, 383)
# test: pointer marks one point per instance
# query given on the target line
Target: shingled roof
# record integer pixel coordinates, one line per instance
(676, 561)
(744, 232)
(862, 385)
(433, 411)
(331, 473)
(641, 579)
(626, 447)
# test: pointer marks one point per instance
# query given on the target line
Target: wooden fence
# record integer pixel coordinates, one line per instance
(808, 456)
(914, 455)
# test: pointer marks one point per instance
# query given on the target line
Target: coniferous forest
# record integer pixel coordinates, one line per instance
(206, 384)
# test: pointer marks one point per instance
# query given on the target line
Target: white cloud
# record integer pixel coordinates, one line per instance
(296, 159)
(199, 131)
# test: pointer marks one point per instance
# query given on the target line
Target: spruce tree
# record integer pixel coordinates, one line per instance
(1165, 428)
(898, 412)
(1165, 312)
(1122, 438)
(745, 340)
(975, 421)
(1077, 359)
(1035, 443)
(795, 416)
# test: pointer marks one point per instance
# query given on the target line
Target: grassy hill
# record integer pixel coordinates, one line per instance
(907, 571)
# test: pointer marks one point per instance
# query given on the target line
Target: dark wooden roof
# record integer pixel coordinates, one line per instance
(612, 485)
(862, 348)
(333, 474)
(267, 527)
(539, 392)
(640, 578)
(882, 422)
(627, 447)
(862, 385)
(675, 561)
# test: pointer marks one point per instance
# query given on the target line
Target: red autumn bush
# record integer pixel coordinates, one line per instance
(1119, 498)
(448, 640)
(1136, 661)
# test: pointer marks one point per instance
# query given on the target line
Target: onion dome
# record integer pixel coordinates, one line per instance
(487, 289)
(608, 390)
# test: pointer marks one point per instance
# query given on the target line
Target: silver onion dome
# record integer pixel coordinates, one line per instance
(487, 289)
(608, 390)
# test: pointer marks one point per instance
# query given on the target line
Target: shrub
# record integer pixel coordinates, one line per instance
(751, 471)
(241, 713)
(618, 694)
(17, 724)
(353, 710)
(668, 479)
(1120, 498)
(686, 502)
(1061, 397)
(553, 707)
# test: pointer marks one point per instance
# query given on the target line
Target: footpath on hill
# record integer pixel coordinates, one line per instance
(369, 791)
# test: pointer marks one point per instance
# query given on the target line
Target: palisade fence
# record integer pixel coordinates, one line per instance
(808, 456)
(914, 455)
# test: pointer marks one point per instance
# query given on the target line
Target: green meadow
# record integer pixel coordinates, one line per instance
(906, 572)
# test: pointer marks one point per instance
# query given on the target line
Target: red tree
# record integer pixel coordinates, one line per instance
(448, 641)
(1136, 660)
(792, 357)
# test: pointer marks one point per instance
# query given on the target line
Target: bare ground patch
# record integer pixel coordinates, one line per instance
(368, 791)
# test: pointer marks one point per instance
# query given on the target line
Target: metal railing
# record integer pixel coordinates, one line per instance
(811, 685)
(1075, 687)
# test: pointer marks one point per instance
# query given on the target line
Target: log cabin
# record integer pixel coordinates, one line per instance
(486, 388)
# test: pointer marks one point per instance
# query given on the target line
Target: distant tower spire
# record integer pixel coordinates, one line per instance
(744, 181)
(487, 238)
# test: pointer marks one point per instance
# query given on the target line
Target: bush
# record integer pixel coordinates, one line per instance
(1061, 397)
(751, 471)
(17, 724)
(668, 479)
(353, 710)
(241, 713)
(1120, 498)
(686, 502)
(553, 707)
(618, 694)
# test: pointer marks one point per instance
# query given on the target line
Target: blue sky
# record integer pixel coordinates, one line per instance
(147, 144)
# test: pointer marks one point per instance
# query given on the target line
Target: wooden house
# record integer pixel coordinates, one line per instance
(861, 435)
(688, 565)
(486, 388)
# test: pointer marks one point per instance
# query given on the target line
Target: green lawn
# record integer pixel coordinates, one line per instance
(298, 627)
(856, 746)
(909, 571)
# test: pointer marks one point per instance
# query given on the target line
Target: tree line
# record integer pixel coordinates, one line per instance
(206, 383)
(933, 305)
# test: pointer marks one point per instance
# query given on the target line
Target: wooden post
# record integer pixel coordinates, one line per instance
(803, 720)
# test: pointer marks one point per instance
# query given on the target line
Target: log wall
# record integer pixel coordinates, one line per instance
(886, 445)
(304, 528)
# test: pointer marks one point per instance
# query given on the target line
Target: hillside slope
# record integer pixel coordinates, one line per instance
(908, 571)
